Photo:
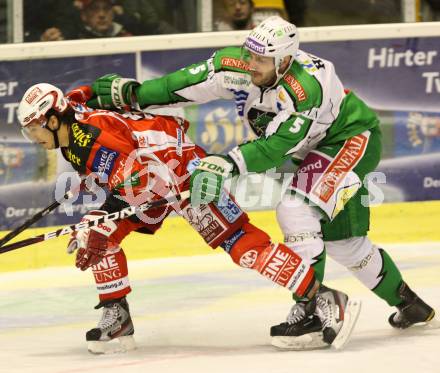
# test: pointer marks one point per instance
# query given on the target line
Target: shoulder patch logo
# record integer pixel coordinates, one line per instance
(309, 66)
(296, 87)
(234, 62)
(282, 96)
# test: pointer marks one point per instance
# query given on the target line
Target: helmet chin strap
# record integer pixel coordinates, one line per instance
(55, 137)
(277, 70)
(55, 130)
(278, 62)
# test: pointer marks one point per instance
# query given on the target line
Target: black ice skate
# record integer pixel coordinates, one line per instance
(115, 323)
(411, 311)
(338, 315)
(302, 329)
(327, 319)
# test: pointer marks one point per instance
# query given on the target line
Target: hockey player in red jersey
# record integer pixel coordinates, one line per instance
(141, 157)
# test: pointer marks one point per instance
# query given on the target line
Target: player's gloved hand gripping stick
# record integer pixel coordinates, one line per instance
(122, 214)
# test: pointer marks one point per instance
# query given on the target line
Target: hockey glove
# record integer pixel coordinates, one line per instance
(93, 243)
(113, 91)
(208, 178)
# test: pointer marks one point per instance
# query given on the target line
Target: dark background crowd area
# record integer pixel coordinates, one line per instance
(52, 20)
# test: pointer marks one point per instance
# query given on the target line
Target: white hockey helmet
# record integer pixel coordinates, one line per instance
(274, 37)
(38, 100)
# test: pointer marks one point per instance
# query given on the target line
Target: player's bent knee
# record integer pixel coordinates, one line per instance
(299, 217)
(250, 247)
(351, 252)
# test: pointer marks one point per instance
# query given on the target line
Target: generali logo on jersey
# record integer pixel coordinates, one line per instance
(234, 62)
(345, 161)
(296, 87)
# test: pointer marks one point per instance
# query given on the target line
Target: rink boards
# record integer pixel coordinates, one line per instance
(395, 222)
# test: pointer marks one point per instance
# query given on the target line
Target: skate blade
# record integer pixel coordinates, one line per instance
(311, 341)
(433, 323)
(350, 318)
(123, 344)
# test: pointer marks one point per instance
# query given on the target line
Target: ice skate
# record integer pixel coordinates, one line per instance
(411, 311)
(327, 319)
(302, 329)
(115, 324)
(338, 315)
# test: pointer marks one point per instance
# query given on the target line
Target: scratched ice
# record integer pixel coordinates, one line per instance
(199, 314)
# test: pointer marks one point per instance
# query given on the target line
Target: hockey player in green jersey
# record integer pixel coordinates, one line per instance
(298, 108)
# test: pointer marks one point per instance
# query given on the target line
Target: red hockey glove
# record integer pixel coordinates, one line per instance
(93, 243)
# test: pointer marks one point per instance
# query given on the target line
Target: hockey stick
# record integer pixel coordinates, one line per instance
(34, 219)
(119, 215)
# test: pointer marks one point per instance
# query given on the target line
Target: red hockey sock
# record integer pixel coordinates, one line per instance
(111, 276)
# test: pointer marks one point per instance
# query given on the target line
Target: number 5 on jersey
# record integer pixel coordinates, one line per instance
(197, 69)
(296, 125)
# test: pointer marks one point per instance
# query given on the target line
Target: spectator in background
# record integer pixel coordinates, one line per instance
(434, 13)
(237, 15)
(142, 17)
(3, 23)
(342, 12)
(267, 8)
(49, 20)
(97, 18)
(295, 11)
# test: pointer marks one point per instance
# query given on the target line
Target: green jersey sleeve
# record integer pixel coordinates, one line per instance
(272, 151)
(195, 84)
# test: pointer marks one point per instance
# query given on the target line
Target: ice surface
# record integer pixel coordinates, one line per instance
(204, 314)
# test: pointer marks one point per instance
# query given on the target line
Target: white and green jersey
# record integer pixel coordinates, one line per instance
(306, 109)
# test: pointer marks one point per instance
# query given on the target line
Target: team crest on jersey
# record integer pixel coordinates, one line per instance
(296, 87)
(259, 120)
